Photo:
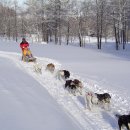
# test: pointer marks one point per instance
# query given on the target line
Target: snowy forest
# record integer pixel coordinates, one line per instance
(55, 20)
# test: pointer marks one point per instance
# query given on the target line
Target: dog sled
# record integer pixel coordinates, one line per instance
(27, 55)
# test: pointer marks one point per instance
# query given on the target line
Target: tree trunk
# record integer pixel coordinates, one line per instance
(68, 32)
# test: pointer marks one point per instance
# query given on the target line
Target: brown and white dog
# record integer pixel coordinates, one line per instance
(97, 99)
(123, 120)
(74, 86)
(50, 67)
(62, 74)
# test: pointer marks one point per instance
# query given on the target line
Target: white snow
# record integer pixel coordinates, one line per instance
(31, 101)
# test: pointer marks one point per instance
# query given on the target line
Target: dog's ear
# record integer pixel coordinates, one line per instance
(109, 96)
(117, 115)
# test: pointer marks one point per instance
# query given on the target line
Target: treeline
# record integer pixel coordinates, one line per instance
(55, 20)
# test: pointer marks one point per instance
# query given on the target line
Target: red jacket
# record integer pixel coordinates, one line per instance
(24, 45)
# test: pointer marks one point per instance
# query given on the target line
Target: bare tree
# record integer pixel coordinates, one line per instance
(120, 21)
(15, 17)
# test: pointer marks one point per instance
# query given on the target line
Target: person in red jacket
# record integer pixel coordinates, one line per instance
(25, 48)
(24, 44)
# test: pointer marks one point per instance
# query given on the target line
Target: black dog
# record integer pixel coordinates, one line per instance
(66, 74)
(105, 97)
(74, 85)
(68, 83)
(71, 86)
(123, 120)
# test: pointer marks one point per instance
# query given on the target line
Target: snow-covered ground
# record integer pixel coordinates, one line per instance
(31, 101)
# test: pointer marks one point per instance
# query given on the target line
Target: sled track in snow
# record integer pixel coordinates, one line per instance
(74, 106)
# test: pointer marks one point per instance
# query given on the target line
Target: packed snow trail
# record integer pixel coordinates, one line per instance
(24, 103)
(98, 119)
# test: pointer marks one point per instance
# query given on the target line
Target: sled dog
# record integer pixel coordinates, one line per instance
(97, 99)
(74, 86)
(50, 67)
(37, 68)
(123, 120)
(62, 74)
